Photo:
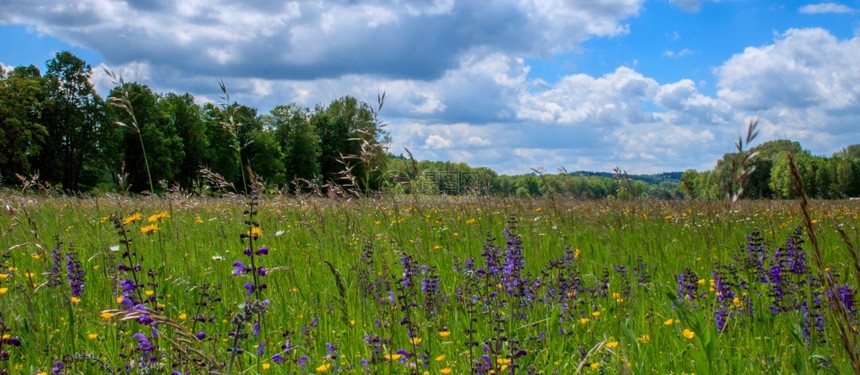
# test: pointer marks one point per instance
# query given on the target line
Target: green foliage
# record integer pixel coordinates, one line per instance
(164, 147)
(298, 141)
(20, 124)
(72, 113)
(186, 118)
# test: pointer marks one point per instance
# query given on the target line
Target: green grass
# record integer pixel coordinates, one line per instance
(199, 241)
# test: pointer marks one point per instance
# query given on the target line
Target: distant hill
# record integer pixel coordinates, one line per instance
(650, 179)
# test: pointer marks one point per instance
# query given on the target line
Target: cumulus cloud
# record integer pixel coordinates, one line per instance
(825, 8)
(806, 84)
(324, 39)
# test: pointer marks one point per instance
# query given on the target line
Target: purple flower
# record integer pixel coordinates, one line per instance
(261, 271)
(257, 328)
(247, 251)
(302, 361)
(200, 335)
(262, 348)
(143, 343)
(239, 268)
(278, 358)
(250, 287)
(263, 251)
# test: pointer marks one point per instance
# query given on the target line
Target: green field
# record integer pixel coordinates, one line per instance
(386, 286)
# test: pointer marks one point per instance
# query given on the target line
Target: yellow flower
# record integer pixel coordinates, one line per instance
(41, 373)
(183, 316)
(689, 334)
(503, 361)
(3, 291)
(158, 217)
(132, 219)
(445, 371)
(149, 293)
(612, 344)
(75, 299)
(595, 314)
(470, 221)
(576, 254)
(266, 366)
(106, 315)
(392, 357)
(151, 228)
(29, 275)
(198, 220)
(595, 365)
(4, 276)
(37, 256)
(93, 336)
(440, 358)
(737, 302)
(583, 320)
(645, 339)
(701, 281)
(415, 340)
(437, 247)
(255, 231)
(669, 322)
(120, 299)
(323, 367)
(444, 334)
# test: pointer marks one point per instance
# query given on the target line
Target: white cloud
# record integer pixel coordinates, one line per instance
(323, 39)
(806, 84)
(681, 53)
(435, 142)
(825, 8)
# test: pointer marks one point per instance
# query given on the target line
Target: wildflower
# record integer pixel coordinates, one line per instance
(254, 232)
(503, 361)
(149, 293)
(240, 268)
(392, 357)
(183, 316)
(93, 336)
(75, 299)
(646, 338)
(737, 302)
(583, 320)
(612, 344)
(415, 341)
(158, 217)
(198, 220)
(132, 219)
(689, 334)
(669, 322)
(445, 371)
(595, 365)
(323, 367)
(106, 315)
(151, 228)
(440, 358)
(595, 314)
(3, 276)
(444, 334)
(3, 291)
(266, 366)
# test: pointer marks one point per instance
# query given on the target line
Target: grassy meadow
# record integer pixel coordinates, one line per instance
(437, 285)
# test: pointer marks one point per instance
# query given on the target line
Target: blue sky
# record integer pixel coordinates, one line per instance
(647, 86)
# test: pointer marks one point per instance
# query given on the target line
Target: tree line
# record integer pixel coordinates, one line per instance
(834, 177)
(57, 129)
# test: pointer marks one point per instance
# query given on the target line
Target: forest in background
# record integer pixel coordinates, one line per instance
(57, 133)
